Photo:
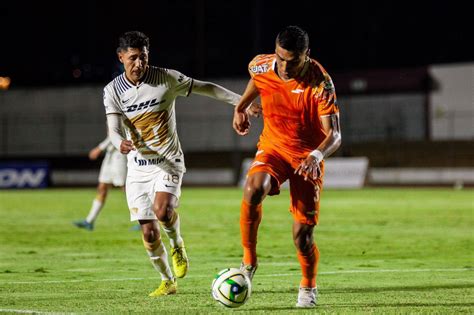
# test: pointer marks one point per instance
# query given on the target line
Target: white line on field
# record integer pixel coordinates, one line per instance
(259, 275)
(6, 310)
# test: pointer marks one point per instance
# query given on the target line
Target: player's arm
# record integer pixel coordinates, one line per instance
(310, 167)
(215, 91)
(331, 143)
(97, 151)
(241, 121)
(220, 93)
(114, 126)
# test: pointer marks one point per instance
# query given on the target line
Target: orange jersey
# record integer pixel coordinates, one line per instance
(292, 109)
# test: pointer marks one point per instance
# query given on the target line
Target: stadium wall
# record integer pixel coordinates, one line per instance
(385, 121)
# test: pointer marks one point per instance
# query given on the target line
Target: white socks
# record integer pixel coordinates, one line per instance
(173, 231)
(94, 211)
(159, 260)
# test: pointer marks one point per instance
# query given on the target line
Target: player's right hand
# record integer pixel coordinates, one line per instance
(126, 146)
(241, 123)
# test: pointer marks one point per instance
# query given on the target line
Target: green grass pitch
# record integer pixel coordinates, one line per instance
(383, 251)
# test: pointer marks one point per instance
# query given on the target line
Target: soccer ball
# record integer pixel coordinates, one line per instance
(231, 287)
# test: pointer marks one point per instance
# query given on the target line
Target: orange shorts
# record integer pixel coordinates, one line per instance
(304, 194)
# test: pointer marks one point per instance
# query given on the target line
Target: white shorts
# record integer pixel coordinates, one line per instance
(141, 192)
(113, 169)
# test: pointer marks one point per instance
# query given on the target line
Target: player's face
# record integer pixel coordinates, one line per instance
(289, 63)
(135, 62)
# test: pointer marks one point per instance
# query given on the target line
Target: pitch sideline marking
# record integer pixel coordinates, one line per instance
(263, 276)
(6, 310)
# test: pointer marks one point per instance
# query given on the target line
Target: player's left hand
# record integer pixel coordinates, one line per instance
(309, 168)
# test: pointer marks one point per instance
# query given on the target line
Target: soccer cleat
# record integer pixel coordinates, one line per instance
(135, 227)
(166, 287)
(248, 270)
(180, 261)
(83, 224)
(307, 297)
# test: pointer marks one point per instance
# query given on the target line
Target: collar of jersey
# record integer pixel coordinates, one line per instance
(145, 78)
(302, 73)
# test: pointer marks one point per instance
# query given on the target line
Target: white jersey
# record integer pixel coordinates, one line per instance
(148, 112)
(113, 169)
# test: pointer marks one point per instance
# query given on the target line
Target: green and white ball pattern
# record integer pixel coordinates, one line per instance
(231, 288)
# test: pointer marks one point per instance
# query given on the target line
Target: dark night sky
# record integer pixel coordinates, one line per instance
(42, 42)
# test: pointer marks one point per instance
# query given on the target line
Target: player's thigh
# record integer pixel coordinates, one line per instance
(305, 198)
(268, 162)
(169, 183)
(164, 205)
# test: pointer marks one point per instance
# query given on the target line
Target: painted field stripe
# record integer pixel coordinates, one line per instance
(7, 310)
(260, 275)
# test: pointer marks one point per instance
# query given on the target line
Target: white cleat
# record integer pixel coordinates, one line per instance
(307, 297)
(248, 270)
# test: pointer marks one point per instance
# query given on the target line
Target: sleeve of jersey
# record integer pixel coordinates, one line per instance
(253, 66)
(110, 102)
(181, 83)
(258, 65)
(326, 105)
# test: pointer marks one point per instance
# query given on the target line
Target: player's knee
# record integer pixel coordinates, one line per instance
(149, 234)
(163, 211)
(303, 243)
(254, 192)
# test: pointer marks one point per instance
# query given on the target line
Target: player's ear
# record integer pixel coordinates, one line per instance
(120, 56)
(308, 52)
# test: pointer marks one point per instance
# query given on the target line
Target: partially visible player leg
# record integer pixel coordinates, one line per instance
(305, 210)
(99, 202)
(308, 257)
(172, 229)
(140, 204)
(97, 205)
(250, 218)
(256, 188)
(158, 257)
(164, 206)
(178, 250)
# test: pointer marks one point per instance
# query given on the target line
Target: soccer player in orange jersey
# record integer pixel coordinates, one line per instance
(301, 128)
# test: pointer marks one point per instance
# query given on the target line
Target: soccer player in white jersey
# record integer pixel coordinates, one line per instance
(113, 172)
(143, 97)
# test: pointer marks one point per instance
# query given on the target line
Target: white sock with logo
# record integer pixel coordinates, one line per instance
(159, 260)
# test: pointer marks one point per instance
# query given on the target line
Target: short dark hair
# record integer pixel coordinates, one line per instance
(293, 38)
(133, 39)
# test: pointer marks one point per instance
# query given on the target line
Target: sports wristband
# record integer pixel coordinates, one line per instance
(318, 155)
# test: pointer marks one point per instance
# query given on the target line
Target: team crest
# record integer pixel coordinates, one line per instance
(328, 85)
